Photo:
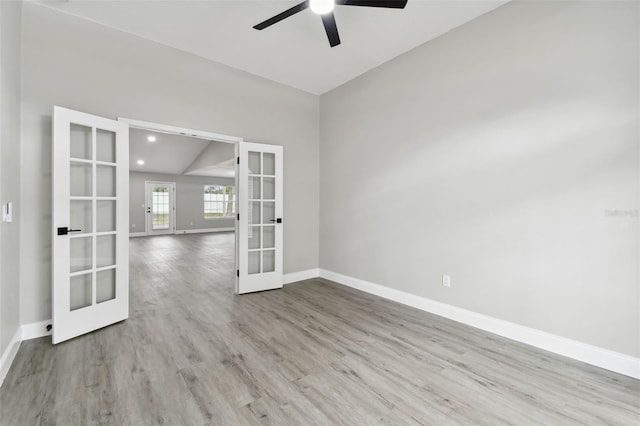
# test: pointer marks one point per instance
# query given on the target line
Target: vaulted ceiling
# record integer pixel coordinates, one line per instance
(294, 52)
(177, 155)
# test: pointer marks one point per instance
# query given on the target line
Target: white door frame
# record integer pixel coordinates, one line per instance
(148, 230)
(163, 128)
(183, 131)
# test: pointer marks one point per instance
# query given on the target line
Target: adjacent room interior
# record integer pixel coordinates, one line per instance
(180, 184)
(441, 198)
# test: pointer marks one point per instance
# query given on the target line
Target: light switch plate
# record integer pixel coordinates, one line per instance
(7, 212)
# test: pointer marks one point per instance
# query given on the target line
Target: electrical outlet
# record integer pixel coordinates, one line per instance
(446, 280)
(133, 225)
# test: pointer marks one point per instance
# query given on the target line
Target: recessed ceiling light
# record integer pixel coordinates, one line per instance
(151, 138)
(141, 162)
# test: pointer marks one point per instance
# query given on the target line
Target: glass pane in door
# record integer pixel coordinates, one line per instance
(106, 181)
(81, 216)
(268, 188)
(269, 236)
(268, 260)
(81, 254)
(80, 179)
(106, 216)
(105, 250)
(80, 142)
(254, 163)
(254, 262)
(254, 212)
(254, 187)
(254, 237)
(81, 292)
(160, 208)
(105, 146)
(268, 212)
(269, 162)
(105, 285)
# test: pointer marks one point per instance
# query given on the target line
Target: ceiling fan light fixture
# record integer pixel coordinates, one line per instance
(322, 7)
(325, 9)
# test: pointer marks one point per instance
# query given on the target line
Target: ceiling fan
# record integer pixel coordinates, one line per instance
(324, 8)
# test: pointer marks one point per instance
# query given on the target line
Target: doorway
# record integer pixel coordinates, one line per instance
(91, 191)
(160, 208)
(180, 183)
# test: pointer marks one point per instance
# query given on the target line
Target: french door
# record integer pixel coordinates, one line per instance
(90, 196)
(160, 208)
(259, 225)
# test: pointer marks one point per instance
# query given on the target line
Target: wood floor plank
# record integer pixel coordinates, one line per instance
(313, 353)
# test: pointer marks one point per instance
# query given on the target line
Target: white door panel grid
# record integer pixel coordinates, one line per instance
(90, 190)
(259, 225)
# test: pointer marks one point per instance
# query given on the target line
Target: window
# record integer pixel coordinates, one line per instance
(219, 201)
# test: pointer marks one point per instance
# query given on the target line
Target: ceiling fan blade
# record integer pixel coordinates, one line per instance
(392, 4)
(331, 28)
(280, 16)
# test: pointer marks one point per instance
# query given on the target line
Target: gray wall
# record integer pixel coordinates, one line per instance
(189, 200)
(10, 34)
(77, 64)
(497, 154)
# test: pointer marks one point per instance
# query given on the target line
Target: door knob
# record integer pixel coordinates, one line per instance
(65, 230)
(278, 220)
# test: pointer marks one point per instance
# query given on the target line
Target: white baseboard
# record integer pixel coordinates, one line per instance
(137, 234)
(600, 357)
(9, 354)
(200, 231)
(293, 277)
(35, 330)
(25, 332)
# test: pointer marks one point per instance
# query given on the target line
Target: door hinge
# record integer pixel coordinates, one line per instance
(238, 160)
(238, 215)
(237, 272)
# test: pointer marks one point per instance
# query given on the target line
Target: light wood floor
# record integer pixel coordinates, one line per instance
(313, 353)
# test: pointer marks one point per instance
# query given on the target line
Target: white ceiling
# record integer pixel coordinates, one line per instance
(294, 52)
(176, 155)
